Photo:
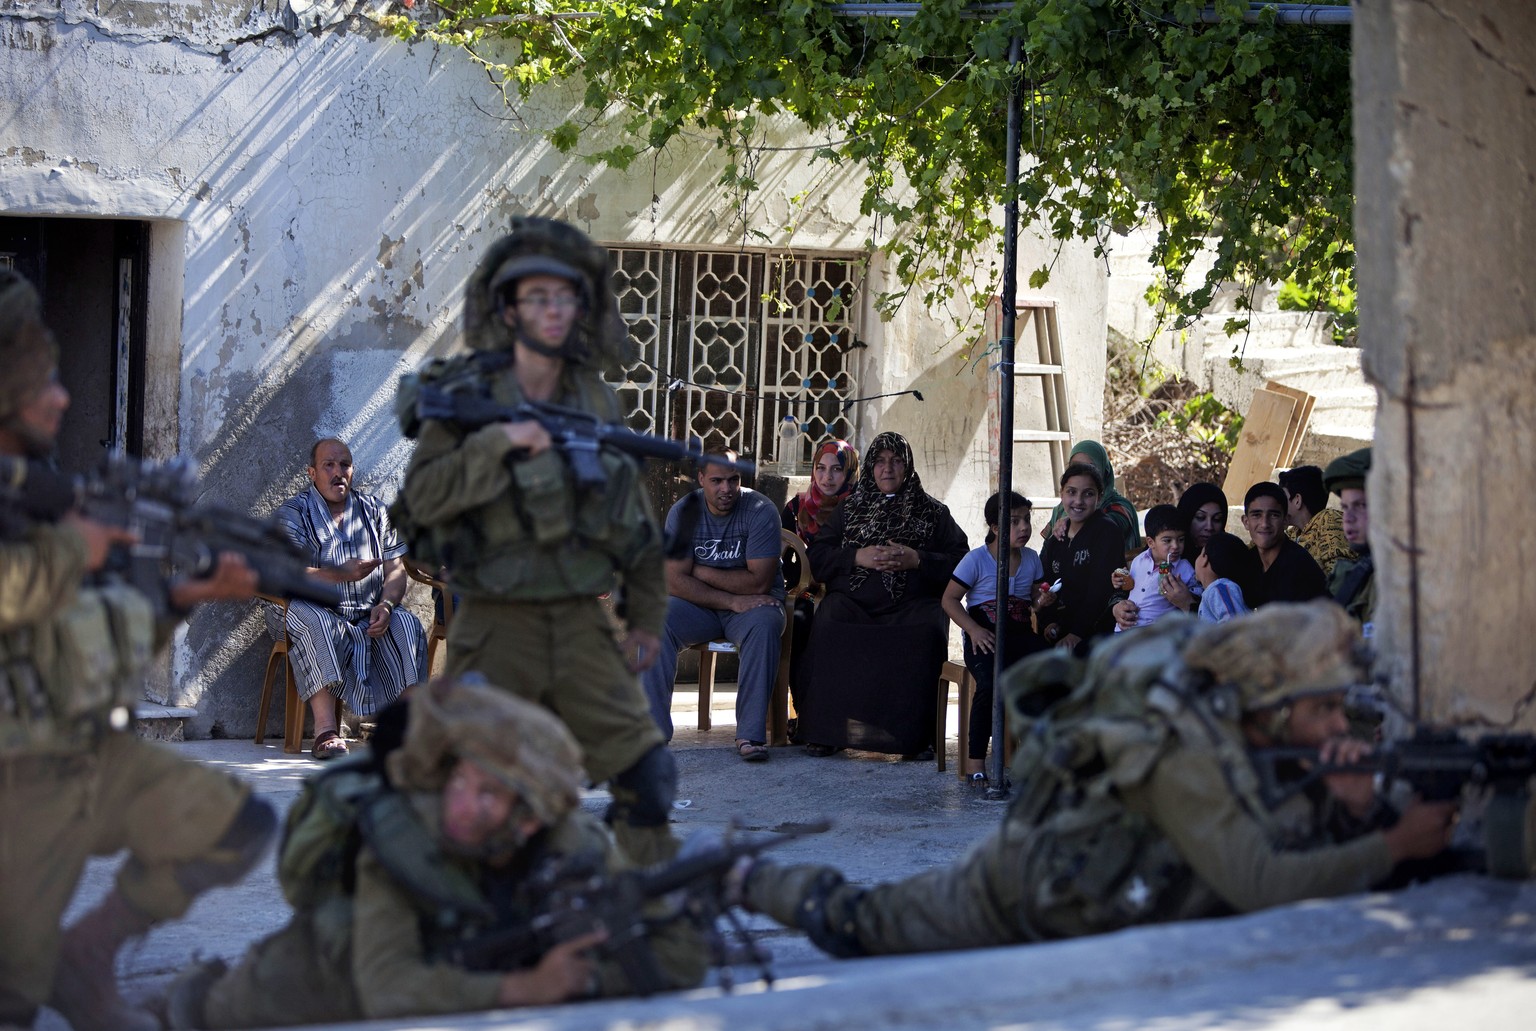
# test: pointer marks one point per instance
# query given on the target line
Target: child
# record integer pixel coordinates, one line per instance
(1161, 570)
(1223, 567)
(1081, 562)
(975, 578)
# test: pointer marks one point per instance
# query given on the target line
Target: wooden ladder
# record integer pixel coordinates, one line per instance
(1048, 367)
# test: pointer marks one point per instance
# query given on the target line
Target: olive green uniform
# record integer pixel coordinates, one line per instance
(72, 783)
(1353, 585)
(1208, 857)
(374, 954)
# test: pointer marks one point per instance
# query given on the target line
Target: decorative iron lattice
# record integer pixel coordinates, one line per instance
(730, 342)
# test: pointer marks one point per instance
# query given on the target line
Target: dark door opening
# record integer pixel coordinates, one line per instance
(93, 278)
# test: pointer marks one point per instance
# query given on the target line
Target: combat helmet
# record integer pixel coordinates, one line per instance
(522, 745)
(1282, 652)
(27, 350)
(546, 246)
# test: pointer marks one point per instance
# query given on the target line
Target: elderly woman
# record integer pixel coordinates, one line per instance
(880, 635)
(1112, 503)
(833, 476)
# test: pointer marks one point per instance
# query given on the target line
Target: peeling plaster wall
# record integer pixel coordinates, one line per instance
(318, 199)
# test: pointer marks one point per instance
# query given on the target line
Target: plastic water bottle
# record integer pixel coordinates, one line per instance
(789, 438)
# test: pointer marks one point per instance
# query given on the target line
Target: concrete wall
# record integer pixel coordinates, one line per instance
(317, 200)
(1445, 137)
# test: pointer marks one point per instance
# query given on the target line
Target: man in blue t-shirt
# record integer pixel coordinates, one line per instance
(727, 586)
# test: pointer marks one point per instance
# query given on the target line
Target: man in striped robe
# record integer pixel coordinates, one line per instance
(367, 650)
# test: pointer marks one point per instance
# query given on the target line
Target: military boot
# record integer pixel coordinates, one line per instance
(85, 984)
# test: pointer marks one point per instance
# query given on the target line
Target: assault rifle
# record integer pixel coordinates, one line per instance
(578, 895)
(158, 502)
(577, 434)
(1438, 765)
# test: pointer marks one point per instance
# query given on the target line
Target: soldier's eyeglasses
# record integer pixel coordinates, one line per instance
(544, 302)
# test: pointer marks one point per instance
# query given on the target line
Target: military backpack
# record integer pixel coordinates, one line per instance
(1092, 863)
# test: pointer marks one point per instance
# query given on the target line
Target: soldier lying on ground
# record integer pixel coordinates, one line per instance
(74, 780)
(1140, 803)
(395, 857)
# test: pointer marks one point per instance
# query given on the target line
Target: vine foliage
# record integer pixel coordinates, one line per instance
(1231, 140)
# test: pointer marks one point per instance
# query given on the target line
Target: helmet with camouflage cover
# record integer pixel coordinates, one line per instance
(1283, 651)
(547, 246)
(520, 744)
(27, 349)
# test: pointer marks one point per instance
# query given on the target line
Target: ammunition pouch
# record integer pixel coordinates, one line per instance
(64, 682)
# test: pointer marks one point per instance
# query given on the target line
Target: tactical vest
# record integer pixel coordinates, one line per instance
(349, 805)
(68, 679)
(1093, 864)
(545, 539)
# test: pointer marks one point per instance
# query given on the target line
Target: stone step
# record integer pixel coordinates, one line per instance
(158, 722)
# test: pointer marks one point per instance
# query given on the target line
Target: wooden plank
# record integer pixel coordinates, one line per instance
(1258, 448)
(1299, 421)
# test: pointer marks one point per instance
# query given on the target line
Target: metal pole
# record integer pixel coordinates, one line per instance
(1005, 343)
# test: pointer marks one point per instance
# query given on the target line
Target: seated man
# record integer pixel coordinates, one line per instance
(368, 650)
(1353, 583)
(1286, 571)
(1184, 834)
(395, 861)
(1309, 520)
(729, 586)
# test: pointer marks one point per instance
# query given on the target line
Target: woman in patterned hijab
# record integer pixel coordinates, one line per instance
(879, 635)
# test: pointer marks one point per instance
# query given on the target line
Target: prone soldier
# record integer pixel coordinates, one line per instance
(74, 780)
(1145, 807)
(395, 858)
(528, 548)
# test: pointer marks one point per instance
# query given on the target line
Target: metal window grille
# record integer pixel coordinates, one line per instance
(730, 342)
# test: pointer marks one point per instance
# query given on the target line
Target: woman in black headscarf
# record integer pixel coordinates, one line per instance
(880, 635)
(1203, 507)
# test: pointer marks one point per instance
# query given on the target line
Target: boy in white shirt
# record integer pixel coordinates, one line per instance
(1159, 581)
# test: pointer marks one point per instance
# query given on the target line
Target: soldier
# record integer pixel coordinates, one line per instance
(527, 549)
(1353, 583)
(74, 780)
(441, 833)
(1152, 815)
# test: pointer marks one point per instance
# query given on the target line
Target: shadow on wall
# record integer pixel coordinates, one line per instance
(939, 427)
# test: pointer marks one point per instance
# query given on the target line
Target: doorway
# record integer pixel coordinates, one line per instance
(93, 276)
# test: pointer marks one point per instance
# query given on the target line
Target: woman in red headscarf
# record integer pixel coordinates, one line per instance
(833, 477)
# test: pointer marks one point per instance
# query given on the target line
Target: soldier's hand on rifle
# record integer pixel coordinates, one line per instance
(231, 580)
(1355, 791)
(1424, 830)
(527, 436)
(640, 648)
(565, 972)
(99, 538)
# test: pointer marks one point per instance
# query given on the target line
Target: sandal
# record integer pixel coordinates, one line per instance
(328, 745)
(751, 751)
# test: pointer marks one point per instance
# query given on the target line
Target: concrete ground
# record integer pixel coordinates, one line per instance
(1457, 953)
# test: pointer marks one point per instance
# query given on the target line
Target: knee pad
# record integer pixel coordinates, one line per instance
(826, 915)
(643, 794)
(232, 856)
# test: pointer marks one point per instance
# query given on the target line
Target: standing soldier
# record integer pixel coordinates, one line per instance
(528, 549)
(74, 781)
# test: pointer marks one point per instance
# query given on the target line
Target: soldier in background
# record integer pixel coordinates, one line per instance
(1353, 582)
(1182, 834)
(74, 780)
(527, 549)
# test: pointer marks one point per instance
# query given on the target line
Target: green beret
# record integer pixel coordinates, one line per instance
(1347, 471)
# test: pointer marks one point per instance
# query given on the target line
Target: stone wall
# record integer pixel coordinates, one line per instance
(316, 200)
(1445, 138)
